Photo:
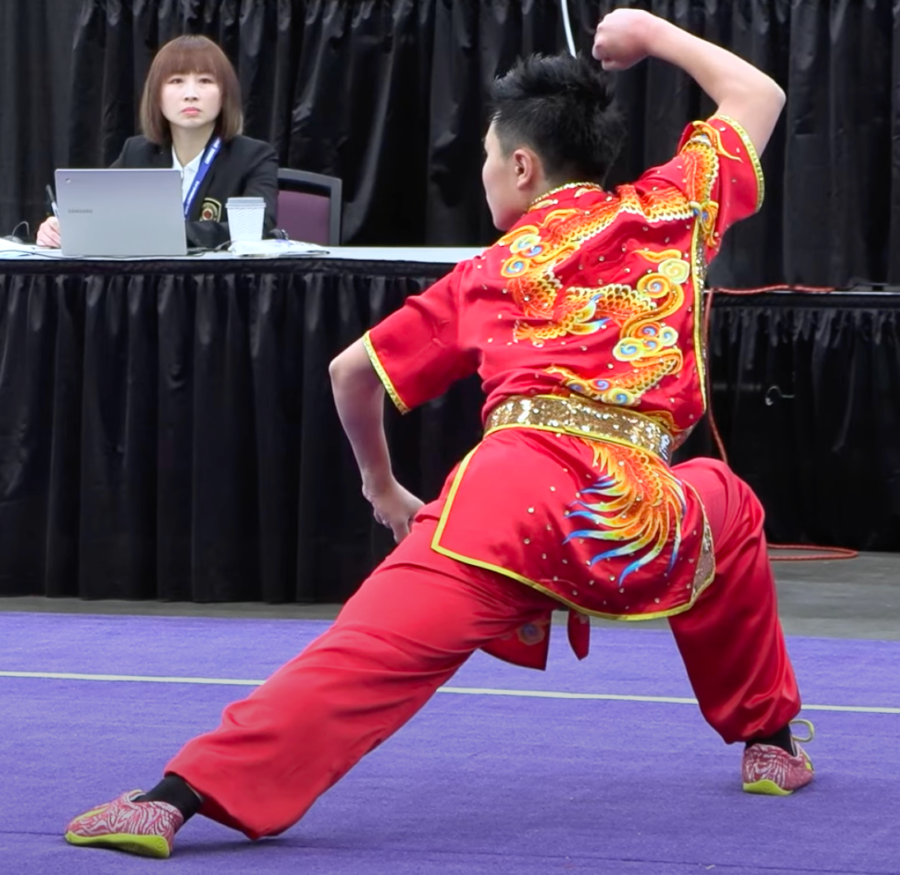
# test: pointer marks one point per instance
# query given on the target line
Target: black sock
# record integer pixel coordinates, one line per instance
(781, 739)
(176, 792)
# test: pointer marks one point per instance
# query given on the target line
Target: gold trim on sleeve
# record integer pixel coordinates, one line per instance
(698, 278)
(754, 157)
(383, 375)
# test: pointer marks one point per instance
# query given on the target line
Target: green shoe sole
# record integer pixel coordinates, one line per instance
(143, 846)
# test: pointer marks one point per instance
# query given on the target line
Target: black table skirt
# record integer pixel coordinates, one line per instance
(167, 429)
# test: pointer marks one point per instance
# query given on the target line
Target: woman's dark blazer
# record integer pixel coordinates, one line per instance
(243, 168)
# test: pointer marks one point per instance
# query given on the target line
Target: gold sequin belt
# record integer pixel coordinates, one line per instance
(583, 418)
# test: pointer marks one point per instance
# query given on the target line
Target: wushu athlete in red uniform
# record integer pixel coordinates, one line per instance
(583, 322)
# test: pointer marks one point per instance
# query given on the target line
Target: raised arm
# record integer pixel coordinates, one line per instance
(739, 90)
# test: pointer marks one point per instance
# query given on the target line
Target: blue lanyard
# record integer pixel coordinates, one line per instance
(208, 157)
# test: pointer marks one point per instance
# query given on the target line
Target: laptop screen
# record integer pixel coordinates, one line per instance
(119, 212)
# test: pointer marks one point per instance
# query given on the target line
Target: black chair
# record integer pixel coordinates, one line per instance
(309, 206)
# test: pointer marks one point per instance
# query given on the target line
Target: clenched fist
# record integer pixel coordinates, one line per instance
(621, 38)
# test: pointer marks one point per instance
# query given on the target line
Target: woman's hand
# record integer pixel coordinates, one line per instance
(623, 38)
(48, 234)
(394, 507)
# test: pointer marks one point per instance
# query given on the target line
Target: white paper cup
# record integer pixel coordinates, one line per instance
(246, 217)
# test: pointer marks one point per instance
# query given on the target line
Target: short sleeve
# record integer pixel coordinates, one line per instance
(718, 171)
(416, 351)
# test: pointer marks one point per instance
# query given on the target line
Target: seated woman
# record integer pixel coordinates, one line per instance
(191, 119)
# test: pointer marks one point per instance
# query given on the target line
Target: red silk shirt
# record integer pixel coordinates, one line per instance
(587, 309)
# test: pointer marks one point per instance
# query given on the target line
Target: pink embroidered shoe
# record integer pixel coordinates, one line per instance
(772, 771)
(145, 828)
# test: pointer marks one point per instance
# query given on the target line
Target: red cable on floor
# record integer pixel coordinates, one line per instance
(816, 553)
(762, 289)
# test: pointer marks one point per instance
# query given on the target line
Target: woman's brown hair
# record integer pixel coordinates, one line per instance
(191, 54)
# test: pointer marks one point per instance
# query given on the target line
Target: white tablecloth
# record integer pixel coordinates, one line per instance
(413, 254)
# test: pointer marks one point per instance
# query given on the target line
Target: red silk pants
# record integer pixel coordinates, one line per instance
(420, 616)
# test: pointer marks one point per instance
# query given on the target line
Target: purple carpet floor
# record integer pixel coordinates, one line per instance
(478, 782)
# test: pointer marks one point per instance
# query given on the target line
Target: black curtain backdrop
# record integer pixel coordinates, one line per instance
(167, 431)
(35, 77)
(388, 95)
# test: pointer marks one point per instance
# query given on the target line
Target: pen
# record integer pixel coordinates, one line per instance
(52, 201)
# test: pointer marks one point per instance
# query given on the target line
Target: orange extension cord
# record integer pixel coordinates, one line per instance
(814, 553)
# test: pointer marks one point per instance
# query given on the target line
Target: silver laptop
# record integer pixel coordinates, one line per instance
(120, 212)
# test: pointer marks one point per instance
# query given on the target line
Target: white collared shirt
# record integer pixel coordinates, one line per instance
(188, 172)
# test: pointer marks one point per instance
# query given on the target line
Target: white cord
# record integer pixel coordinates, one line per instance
(568, 26)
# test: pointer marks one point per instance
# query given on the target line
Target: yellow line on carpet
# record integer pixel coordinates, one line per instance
(463, 691)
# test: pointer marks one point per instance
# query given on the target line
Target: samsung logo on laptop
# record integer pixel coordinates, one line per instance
(79, 211)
